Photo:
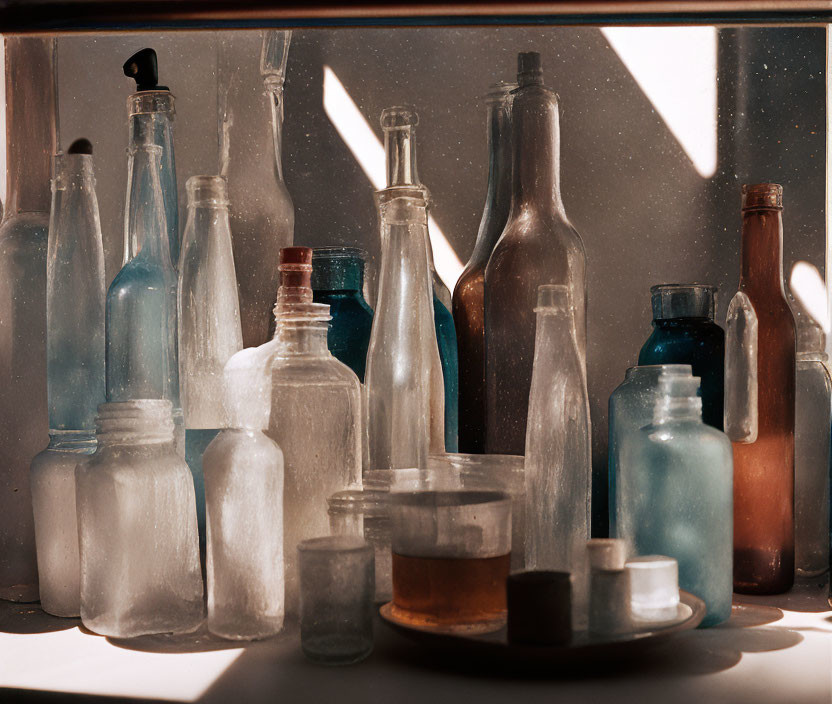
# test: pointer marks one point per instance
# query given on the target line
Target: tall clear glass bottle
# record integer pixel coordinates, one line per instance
(469, 293)
(684, 332)
(75, 373)
(250, 124)
(137, 532)
(30, 141)
(631, 407)
(558, 461)
(813, 422)
(150, 113)
(404, 383)
(676, 500)
(764, 469)
(538, 246)
(142, 361)
(244, 507)
(316, 413)
(338, 281)
(209, 322)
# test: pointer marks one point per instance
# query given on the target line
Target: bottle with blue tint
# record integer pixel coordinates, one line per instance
(151, 110)
(684, 332)
(631, 407)
(141, 349)
(677, 497)
(448, 356)
(75, 373)
(338, 281)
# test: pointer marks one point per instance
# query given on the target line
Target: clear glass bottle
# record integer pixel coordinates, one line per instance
(558, 461)
(244, 506)
(677, 495)
(135, 500)
(631, 408)
(813, 421)
(75, 368)
(404, 383)
(30, 139)
(316, 412)
(250, 126)
(764, 469)
(469, 293)
(338, 281)
(209, 321)
(684, 332)
(538, 246)
(142, 299)
(150, 113)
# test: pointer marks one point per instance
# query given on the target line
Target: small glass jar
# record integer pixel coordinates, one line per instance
(135, 500)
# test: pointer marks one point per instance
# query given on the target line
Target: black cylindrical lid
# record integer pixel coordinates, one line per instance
(539, 608)
(80, 146)
(529, 68)
(143, 67)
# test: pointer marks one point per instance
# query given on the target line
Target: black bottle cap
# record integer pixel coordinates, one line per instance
(80, 146)
(529, 68)
(539, 608)
(143, 67)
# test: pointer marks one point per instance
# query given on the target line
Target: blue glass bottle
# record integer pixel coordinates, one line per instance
(448, 355)
(142, 359)
(684, 332)
(338, 281)
(631, 407)
(151, 111)
(676, 498)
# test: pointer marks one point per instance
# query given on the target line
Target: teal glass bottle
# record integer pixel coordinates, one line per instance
(338, 281)
(449, 357)
(631, 408)
(141, 330)
(677, 497)
(684, 332)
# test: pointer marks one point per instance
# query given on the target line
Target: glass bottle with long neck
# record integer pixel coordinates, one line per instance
(538, 246)
(404, 381)
(316, 413)
(250, 124)
(469, 293)
(142, 360)
(558, 461)
(151, 111)
(764, 469)
(209, 322)
(30, 141)
(75, 369)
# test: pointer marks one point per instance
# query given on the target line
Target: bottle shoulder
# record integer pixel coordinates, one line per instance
(313, 371)
(688, 436)
(24, 232)
(242, 443)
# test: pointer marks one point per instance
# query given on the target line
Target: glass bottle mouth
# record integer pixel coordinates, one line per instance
(337, 268)
(151, 101)
(671, 301)
(207, 190)
(145, 420)
(762, 196)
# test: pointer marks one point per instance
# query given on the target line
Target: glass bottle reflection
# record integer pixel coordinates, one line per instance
(538, 246)
(764, 469)
(30, 140)
(469, 293)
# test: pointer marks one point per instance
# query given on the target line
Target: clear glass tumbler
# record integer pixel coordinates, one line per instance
(337, 580)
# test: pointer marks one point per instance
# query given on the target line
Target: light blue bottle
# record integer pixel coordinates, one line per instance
(631, 407)
(142, 359)
(676, 497)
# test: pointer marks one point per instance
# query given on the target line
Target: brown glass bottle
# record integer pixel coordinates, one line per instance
(538, 246)
(468, 300)
(764, 469)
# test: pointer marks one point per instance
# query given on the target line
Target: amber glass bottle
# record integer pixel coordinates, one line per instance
(538, 246)
(764, 469)
(468, 301)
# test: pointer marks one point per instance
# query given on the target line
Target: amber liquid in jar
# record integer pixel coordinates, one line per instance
(448, 591)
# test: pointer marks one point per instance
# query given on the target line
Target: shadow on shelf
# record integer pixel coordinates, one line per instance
(200, 641)
(28, 619)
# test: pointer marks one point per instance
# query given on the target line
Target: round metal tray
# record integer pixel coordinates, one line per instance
(583, 648)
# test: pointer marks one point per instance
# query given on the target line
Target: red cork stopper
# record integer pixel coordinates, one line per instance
(295, 275)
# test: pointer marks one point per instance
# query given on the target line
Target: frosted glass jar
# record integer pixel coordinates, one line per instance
(137, 529)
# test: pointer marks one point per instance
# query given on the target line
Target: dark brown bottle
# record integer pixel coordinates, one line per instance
(764, 469)
(468, 301)
(538, 246)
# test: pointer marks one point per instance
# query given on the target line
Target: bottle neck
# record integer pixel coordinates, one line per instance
(400, 156)
(302, 338)
(677, 408)
(82, 441)
(535, 128)
(762, 251)
(139, 422)
(652, 372)
(274, 93)
(146, 214)
(31, 117)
